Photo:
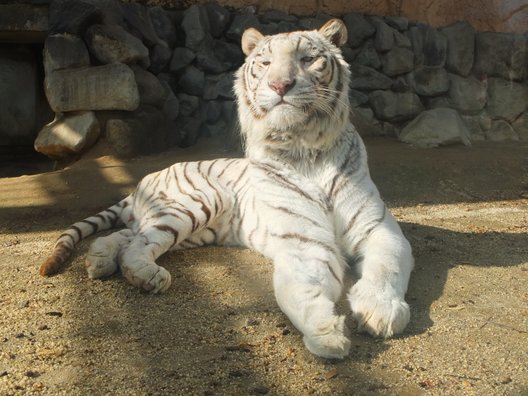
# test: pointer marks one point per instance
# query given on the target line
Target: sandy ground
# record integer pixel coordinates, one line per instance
(218, 331)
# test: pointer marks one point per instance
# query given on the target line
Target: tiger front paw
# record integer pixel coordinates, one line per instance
(329, 340)
(380, 312)
(150, 277)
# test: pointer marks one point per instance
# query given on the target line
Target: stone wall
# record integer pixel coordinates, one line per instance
(147, 78)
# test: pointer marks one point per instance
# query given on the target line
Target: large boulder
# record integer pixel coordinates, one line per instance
(195, 24)
(63, 51)
(436, 127)
(107, 87)
(68, 134)
(392, 106)
(359, 29)
(460, 47)
(398, 61)
(467, 94)
(506, 99)
(366, 78)
(429, 81)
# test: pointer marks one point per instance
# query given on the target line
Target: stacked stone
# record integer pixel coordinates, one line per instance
(147, 78)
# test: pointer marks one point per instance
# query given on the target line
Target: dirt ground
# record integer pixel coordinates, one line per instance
(218, 331)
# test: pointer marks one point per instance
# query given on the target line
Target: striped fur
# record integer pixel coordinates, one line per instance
(301, 196)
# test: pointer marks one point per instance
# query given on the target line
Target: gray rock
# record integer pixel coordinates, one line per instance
(192, 81)
(142, 132)
(359, 29)
(181, 57)
(436, 127)
(429, 81)
(195, 24)
(349, 54)
(475, 130)
(214, 130)
(73, 16)
(401, 40)
(391, 106)
(171, 106)
(400, 23)
(366, 78)
(363, 120)
(384, 37)
(368, 56)
(434, 102)
(501, 130)
(278, 16)
(160, 56)
(107, 87)
(357, 98)
(467, 94)
(111, 44)
(162, 24)
(429, 45)
(219, 18)
(219, 87)
(68, 134)
(460, 47)
(400, 84)
(63, 51)
(309, 23)
(218, 56)
(506, 99)
(501, 55)
(211, 111)
(240, 23)
(398, 61)
(188, 104)
(190, 130)
(520, 125)
(484, 120)
(150, 89)
(139, 23)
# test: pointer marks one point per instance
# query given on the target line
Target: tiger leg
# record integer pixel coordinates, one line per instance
(377, 298)
(101, 260)
(306, 289)
(137, 260)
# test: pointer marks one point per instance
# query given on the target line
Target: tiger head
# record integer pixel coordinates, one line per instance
(292, 90)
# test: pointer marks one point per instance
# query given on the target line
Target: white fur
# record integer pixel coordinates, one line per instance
(302, 196)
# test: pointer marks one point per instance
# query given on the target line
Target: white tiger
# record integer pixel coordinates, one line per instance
(303, 196)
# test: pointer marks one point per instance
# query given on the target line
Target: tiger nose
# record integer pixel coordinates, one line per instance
(282, 86)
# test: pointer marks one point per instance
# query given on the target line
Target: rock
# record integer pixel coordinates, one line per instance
(181, 57)
(506, 99)
(189, 129)
(195, 24)
(218, 17)
(429, 45)
(429, 81)
(160, 56)
(63, 51)
(368, 55)
(171, 106)
(366, 78)
(309, 23)
(475, 130)
(357, 98)
(501, 55)
(520, 126)
(219, 86)
(219, 128)
(460, 48)
(218, 56)
(111, 44)
(73, 16)
(434, 102)
(401, 40)
(398, 61)
(349, 54)
(211, 111)
(501, 130)
(162, 24)
(400, 23)
(240, 23)
(141, 132)
(384, 37)
(139, 23)
(150, 89)
(107, 87)
(278, 16)
(466, 94)
(436, 127)
(192, 81)
(188, 104)
(391, 106)
(359, 29)
(363, 120)
(68, 134)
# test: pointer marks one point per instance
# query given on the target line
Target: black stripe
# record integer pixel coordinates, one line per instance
(169, 229)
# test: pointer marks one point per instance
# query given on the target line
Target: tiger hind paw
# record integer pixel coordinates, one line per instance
(149, 277)
(330, 340)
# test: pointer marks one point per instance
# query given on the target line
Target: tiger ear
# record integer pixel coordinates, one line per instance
(335, 31)
(250, 39)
